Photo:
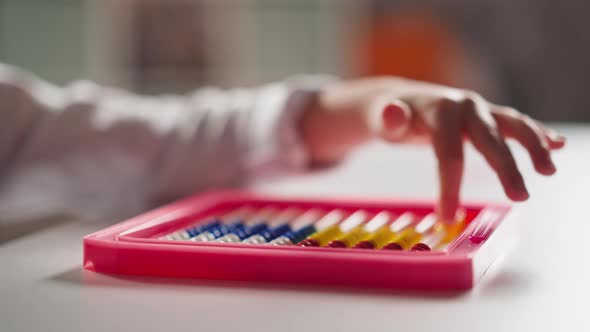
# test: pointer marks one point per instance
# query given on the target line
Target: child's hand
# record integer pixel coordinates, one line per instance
(350, 113)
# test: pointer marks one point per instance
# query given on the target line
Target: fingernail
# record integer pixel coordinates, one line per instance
(551, 168)
(396, 121)
(522, 195)
(548, 166)
(554, 136)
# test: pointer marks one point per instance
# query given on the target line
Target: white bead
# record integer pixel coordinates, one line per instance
(281, 241)
(229, 238)
(176, 236)
(204, 237)
(255, 239)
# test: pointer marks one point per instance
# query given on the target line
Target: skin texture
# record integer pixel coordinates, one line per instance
(350, 113)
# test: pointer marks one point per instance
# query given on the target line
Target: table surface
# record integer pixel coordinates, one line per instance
(542, 286)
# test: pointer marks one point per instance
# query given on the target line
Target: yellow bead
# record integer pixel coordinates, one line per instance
(452, 230)
(351, 237)
(323, 237)
(382, 236)
(408, 238)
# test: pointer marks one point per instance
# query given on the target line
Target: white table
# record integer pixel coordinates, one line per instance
(542, 286)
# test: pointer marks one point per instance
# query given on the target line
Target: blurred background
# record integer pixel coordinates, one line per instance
(532, 54)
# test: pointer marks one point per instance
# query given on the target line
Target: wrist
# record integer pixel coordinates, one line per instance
(329, 128)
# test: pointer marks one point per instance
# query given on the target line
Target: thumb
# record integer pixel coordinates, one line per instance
(391, 120)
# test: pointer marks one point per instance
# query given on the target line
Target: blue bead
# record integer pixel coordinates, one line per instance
(222, 230)
(266, 234)
(290, 235)
(302, 233)
(192, 231)
(307, 230)
(271, 234)
(249, 231)
(235, 227)
(218, 231)
(203, 228)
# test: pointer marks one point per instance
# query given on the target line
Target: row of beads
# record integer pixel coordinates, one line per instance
(316, 228)
(267, 225)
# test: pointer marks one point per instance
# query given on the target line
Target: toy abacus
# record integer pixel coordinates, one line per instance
(247, 236)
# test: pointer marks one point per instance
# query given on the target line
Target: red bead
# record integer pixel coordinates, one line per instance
(309, 243)
(420, 247)
(393, 246)
(337, 244)
(365, 245)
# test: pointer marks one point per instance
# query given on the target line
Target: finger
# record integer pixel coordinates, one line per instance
(554, 140)
(530, 136)
(448, 147)
(483, 132)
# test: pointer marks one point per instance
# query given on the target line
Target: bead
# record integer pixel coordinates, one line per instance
(192, 232)
(350, 238)
(387, 233)
(184, 235)
(303, 232)
(268, 235)
(332, 229)
(454, 229)
(255, 239)
(204, 237)
(281, 241)
(188, 233)
(378, 239)
(292, 237)
(242, 233)
(365, 245)
(217, 232)
(288, 235)
(420, 247)
(251, 230)
(275, 232)
(406, 239)
(229, 238)
(322, 237)
(393, 246)
(412, 235)
(309, 243)
(176, 236)
(430, 241)
(337, 244)
(362, 232)
(303, 227)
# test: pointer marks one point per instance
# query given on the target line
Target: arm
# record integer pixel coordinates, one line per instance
(348, 114)
(101, 151)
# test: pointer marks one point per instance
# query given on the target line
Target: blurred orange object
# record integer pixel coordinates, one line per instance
(415, 45)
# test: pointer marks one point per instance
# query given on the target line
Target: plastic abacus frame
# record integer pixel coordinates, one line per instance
(135, 247)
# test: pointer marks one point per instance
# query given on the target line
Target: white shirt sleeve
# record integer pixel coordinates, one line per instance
(103, 152)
